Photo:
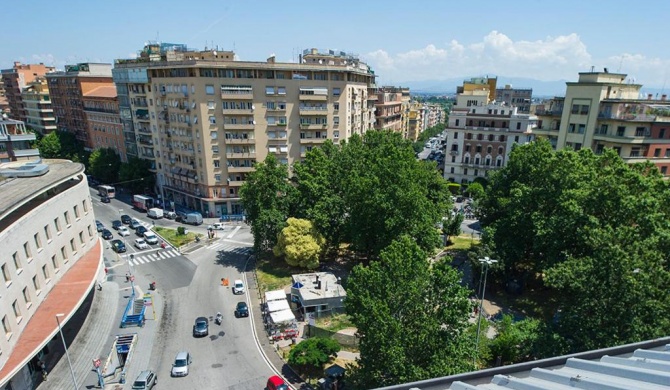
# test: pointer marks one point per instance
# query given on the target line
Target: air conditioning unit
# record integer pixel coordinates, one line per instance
(253, 107)
(254, 122)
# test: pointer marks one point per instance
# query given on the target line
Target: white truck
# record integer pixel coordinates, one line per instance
(155, 213)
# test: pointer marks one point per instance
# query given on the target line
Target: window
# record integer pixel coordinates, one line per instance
(217, 177)
(5, 274)
(36, 284)
(269, 90)
(211, 105)
(452, 169)
(26, 250)
(336, 121)
(478, 149)
(17, 310)
(465, 171)
(90, 231)
(81, 237)
(17, 262)
(657, 152)
(518, 125)
(84, 205)
(281, 90)
(664, 170)
(458, 121)
(584, 110)
(336, 91)
(54, 263)
(490, 137)
(667, 152)
(571, 128)
(479, 137)
(63, 254)
(76, 211)
(73, 246)
(582, 129)
(57, 224)
(5, 326)
(66, 215)
(209, 89)
(467, 147)
(661, 133)
(603, 129)
(620, 130)
(26, 297)
(500, 150)
(489, 149)
(336, 134)
(453, 159)
(575, 109)
(212, 120)
(456, 135)
(640, 131)
(336, 106)
(38, 242)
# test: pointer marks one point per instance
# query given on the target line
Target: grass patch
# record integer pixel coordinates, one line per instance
(335, 322)
(273, 273)
(175, 239)
(462, 242)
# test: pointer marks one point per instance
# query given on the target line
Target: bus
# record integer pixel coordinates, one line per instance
(108, 191)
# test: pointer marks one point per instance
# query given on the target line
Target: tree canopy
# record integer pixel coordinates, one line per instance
(63, 145)
(310, 355)
(299, 243)
(104, 165)
(136, 175)
(411, 316)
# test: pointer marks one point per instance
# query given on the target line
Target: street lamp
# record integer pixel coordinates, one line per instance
(486, 262)
(69, 362)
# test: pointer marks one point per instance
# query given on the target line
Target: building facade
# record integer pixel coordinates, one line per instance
(15, 141)
(480, 136)
(606, 110)
(389, 107)
(67, 90)
(17, 78)
(52, 255)
(203, 119)
(520, 98)
(37, 104)
(101, 110)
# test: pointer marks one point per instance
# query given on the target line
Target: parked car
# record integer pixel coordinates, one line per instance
(99, 226)
(216, 226)
(238, 287)
(123, 231)
(201, 327)
(105, 199)
(106, 234)
(141, 230)
(118, 246)
(126, 219)
(141, 244)
(145, 381)
(276, 383)
(151, 238)
(134, 224)
(241, 310)
(170, 215)
(181, 363)
(116, 224)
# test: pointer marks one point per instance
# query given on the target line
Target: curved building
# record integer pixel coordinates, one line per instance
(51, 255)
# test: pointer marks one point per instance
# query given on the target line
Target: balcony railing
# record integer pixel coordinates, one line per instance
(240, 169)
(240, 141)
(238, 126)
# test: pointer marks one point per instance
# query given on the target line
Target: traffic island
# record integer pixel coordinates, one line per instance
(179, 237)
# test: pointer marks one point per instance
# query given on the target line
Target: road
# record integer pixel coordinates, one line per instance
(191, 286)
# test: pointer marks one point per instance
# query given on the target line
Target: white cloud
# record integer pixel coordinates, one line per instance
(550, 58)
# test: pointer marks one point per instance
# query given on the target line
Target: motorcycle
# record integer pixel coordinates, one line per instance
(219, 318)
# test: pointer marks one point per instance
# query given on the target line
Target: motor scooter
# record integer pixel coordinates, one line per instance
(219, 318)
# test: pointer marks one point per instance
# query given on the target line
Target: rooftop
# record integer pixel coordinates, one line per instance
(105, 91)
(330, 287)
(18, 191)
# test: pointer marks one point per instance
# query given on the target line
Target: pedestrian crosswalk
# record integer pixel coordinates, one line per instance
(148, 257)
(222, 246)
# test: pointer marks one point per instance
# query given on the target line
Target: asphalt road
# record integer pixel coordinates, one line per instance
(191, 287)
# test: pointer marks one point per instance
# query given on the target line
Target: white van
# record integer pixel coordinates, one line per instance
(155, 213)
(150, 237)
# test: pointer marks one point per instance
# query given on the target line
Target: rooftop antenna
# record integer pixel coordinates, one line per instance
(157, 37)
(621, 62)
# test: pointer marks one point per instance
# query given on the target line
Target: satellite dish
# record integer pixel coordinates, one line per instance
(214, 52)
(304, 61)
(320, 61)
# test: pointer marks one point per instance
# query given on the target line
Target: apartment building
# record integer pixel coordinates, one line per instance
(414, 117)
(390, 105)
(203, 118)
(487, 84)
(4, 104)
(15, 141)
(52, 255)
(17, 78)
(606, 110)
(480, 135)
(101, 111)
(521, 98)
(37, 105)
(67, 90)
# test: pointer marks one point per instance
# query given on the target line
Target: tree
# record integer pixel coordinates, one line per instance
(300, 244)
(62, 145)
(136, 175)
(452, 227)
(475, 190)
(514, 341)
(310, 355)
(411, 315)
(387, 193)
(104, 165)
(266, 196)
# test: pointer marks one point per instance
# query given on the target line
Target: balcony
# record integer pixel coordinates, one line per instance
(236, 93)
(238, 126)
(22, 137)
(628, 117)
(145, 141)
(236, 183)
(241, 155)
(240, 141)
(312, 140)
(313, 110)
(310, 97)
(26, 152)
(144, 130)
(237, 111)
(313, 126)
(240, 169)
(454, 152)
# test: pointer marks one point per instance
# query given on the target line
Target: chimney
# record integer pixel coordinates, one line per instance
(318, 285)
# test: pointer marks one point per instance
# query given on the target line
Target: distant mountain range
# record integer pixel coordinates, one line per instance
(540, 88)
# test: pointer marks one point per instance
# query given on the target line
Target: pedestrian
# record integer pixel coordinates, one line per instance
(43, 367)
(127, 277)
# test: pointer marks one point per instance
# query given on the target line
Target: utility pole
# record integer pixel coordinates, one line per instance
(486, 263)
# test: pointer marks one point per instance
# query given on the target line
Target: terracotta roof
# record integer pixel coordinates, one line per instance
(106, 91)
(65, 297)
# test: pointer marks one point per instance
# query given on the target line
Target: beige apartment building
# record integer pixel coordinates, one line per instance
(606, 110)
(37, 105)
(15, 79)
(101, 110)
(204, 119)
(389, 105)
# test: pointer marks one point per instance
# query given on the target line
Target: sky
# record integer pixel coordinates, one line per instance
(403, 41)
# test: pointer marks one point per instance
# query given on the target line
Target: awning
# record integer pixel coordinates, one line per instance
(282, 316)
(297, 285)
(275, 295)
(279, 305)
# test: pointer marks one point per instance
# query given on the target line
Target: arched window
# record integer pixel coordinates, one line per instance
(487, 162)
(504, 125)
(467, 158)
(477, 159)
(499, 161)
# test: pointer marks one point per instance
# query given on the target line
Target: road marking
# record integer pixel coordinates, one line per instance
(234, 231)
(240, 242)
(139, 260)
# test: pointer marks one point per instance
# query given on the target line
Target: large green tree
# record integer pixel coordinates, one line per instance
(104, 164)
(63, 145)
(135, 175)
(266, 196)
(310, 355)
(300, 244)
(411, 315)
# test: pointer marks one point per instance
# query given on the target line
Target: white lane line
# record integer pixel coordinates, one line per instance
(162, 255)
(139, 260)
(234, 231)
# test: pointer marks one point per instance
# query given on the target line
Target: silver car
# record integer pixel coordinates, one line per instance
(181, 363)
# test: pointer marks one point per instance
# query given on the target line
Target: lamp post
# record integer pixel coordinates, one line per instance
(486, 262)
(69, 362)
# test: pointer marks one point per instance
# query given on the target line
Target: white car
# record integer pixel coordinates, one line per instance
(141, 244)
(216, 226)
(151, 237)
(123, 231)
(238, 287)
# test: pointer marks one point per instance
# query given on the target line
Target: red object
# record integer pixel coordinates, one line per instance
(96, 363)
(105, 270)
(276, 383)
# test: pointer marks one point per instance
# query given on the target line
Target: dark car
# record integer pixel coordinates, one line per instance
(99, 226)
(201, 327)
(106, 234)
(126, 219)
(241, 310)
(105, 199)
(116, 224)
(118, 246)
(141, 230)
